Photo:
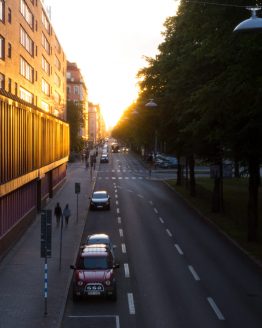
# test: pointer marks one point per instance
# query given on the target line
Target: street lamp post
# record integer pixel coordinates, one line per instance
(153, 104)
(252, 24)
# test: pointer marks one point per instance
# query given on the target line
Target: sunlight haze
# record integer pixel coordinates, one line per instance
(108, 40)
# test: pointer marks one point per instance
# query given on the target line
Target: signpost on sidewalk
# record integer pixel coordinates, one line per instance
(46, 246)
(77, 191)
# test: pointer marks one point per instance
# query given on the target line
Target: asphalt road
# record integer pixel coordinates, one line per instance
(176, 269)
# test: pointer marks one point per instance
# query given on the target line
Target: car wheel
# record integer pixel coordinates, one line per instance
(76, 298)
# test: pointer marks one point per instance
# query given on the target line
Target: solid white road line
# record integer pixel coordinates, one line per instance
(126, 268)
(192, 270)
(131, 303)
(123, 246)
(169, 232)
(215, 308)
(179, 249)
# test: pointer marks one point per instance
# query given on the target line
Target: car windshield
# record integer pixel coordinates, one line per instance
(94, 263)
(100, 195)
(98, 241)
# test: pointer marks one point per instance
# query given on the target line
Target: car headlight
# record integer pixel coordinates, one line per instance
(80, 283)
(108, 282)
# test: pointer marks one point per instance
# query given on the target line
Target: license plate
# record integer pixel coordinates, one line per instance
(93, 292)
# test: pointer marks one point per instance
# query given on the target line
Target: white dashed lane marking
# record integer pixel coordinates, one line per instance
(195, 275)
(169, 232)
(126, 268)
(131, 303)
(123, 246)
(215, 308)
(179, 249)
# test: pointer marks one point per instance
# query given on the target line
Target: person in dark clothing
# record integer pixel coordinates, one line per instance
(58, 213)
(66, 213)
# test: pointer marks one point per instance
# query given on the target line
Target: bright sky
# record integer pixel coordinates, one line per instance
(108, 40)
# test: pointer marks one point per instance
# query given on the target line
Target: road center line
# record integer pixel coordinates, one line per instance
(169, 232)
(192, 270)
(126, 268)
(131, 304)
(179, 249)
(215, 308)
(123, 248)
(121, 233)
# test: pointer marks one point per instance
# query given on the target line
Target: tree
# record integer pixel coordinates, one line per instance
(75, 120)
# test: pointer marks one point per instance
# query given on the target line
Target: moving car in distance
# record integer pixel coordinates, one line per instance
(101, 238)
(94, 273)
(99, 200)
(104, 158)
(115, 147)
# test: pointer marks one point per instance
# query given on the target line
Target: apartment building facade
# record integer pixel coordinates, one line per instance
(78, 93)
(34, 136)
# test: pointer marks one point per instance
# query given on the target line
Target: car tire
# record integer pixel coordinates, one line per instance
(76, 298)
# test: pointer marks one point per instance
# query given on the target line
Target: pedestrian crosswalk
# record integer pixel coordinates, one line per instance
(121, 178)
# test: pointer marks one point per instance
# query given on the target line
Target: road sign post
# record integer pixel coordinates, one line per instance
(77, 191)
(46, 246)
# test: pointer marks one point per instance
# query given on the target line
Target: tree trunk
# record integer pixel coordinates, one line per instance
(217, 197)
(254, 179)
(179, 173)
(192, 183)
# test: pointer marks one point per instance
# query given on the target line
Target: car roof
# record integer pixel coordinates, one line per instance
(98, 236)
(95, 250)
(99, 192)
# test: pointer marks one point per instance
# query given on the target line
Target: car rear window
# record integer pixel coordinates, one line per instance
(94, 263)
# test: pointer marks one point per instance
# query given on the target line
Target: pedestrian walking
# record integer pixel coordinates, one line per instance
(66, 213)
(58, 213)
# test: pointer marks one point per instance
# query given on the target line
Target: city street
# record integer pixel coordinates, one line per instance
(176, 270)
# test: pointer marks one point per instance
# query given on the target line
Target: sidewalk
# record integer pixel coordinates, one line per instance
(22, 303)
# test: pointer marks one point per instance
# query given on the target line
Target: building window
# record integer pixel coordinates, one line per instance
(57, 63)
(76, 90)
(9, 15)
(57, 46)
(45, 65)
(26, 70)
(45, 87)
(45, 44)
(2, 10)
(57, 80)
(9, 50)
(26, 95)
(2, 47)
(45, 22)
(57, 97)
(68, 89)
(44, 106)
(9, 85)
(26, 12)
(2, 81)
(26, 41)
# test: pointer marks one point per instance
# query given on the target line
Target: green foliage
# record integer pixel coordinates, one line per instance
(75, 120)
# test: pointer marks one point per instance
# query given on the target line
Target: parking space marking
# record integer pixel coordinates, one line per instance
(179, 249)
(97, 316)
(195, 275)
(126, 268)
(131, 303)
(161, 220)
(123, 246)
(215, 308)
(169, 232)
